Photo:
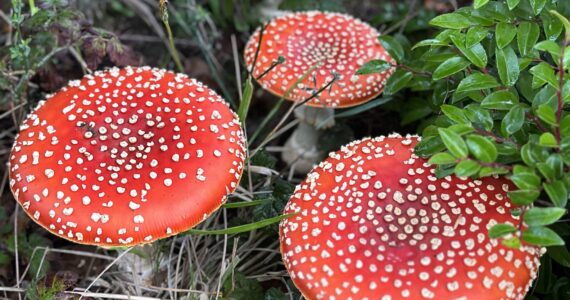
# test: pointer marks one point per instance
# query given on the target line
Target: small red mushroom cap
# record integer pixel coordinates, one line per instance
(373, 222)
(126, 156)
(333, 43)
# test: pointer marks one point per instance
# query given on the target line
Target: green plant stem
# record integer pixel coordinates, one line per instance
(172, 47)
(33, 8)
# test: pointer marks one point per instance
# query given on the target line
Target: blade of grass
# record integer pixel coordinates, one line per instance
(246, 100)
(244, 203)
(171, 46)
(241, 228)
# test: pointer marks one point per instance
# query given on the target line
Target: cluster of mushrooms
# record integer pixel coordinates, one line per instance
(107, 159)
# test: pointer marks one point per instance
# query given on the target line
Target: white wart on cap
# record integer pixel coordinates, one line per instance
(126, 156)
(374, 222)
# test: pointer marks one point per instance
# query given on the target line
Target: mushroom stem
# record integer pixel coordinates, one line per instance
(301, 149)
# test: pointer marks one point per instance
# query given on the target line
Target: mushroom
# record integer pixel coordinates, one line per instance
(336, 46)
(126, 156)
(373, 222)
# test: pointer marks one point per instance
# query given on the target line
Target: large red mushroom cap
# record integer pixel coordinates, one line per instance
(374, 222)
(333, 43)
(126, 156)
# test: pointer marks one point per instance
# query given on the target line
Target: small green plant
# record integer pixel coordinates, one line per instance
(498, 73)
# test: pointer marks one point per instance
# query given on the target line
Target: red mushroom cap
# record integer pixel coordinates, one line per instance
(374, 222)
(126, 156)
(337, 43)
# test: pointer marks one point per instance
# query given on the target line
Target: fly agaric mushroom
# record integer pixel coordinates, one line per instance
(126, 156)
(336, 45)
(373, 222)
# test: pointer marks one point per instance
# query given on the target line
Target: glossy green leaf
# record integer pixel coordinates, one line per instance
(475, 35)
(450, 67)
(454, 113)
(393, 47)
(526, 180)
(499, 230)
(429, 42)
(451, 21)
(442, 158)
(547, 139)
(524, 196)
(527, 35)
(562, 19)
(547, 114)
(397, 81)
(537, 6)
(483, 149)
(542, 236)
(454, 142)
(560, 254)
(550, 47)
(557, 192)
(540, 216)
(500, 100)
(466, 168)
(512, 3)
(504, 34)
(475, 54)
(479, 3)
(507, 66)
(544, 72)
(374, 66)
(513, 120)
(476, 82)
(476, 114)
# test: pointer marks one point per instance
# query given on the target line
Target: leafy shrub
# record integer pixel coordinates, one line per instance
(498, 73)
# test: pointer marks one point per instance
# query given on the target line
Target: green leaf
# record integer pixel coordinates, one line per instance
(455, 114)
(246, 100)
(393, 47)
(442, 158)
(466, 168)
(547, 139)
(500, 100)
(513, 242)
(550, 47)
(507, 65)
(450, 67)
(551, 25)
(523, 196)
(557, 192)
(512, 3)
(477, 114)
(475, 35)
(544, 72)
(429, 146)
(454, 142)
(483, 149)
(504, 34)
(526, 180)
(479, 3)
(560, 254)
(542, 236)
(451, 21)
(562, 19)
(373, 66)
(540, 216)
(429, 42)
(547, 114)
(499, 230)
(476, 53)
(397, 81)
(537, 6)
(513, 120)
(527, 35)
(242, 228)
(476, 82)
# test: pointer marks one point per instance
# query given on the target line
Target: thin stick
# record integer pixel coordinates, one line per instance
(16, 256)
(103, 272)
